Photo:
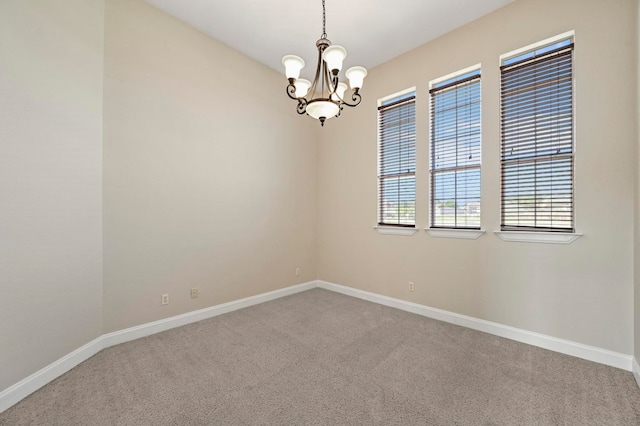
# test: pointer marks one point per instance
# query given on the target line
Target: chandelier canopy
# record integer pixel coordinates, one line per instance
(325, 97)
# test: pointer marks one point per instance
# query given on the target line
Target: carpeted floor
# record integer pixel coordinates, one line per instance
(323, 358)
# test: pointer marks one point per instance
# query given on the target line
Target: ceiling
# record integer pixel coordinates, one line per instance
(372, 31)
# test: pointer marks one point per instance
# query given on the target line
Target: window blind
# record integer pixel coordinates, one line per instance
(397, 161)
(537, 157)
(456, 152)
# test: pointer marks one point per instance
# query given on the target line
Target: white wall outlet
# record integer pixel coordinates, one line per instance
(412, 287)
(165, 299)
(297, 271)
(194, 293)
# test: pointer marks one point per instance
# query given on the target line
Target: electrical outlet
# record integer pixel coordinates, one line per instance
(412, 287)
(297, 271)
(165, 299)
(194, 293)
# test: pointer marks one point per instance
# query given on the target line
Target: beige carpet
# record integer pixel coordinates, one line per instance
(326, 359)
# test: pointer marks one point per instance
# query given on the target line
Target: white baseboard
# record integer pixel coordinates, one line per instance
(591, 353)
(25, 387)
(154, 327)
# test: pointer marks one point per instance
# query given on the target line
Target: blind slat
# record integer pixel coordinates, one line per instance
(456, 153)
(397, 158)
(537, 143)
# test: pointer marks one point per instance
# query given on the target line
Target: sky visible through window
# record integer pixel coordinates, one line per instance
(397, 161)
(456, 152)
(538, 52)
(537, 139)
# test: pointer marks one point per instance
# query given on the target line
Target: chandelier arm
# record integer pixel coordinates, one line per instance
(291, 91)
(326, 78)
(334, 83)
(302, 106)
(355, 97)
(317, 77)
(332, 86)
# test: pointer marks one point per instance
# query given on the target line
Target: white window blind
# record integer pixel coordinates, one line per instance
(537, 154)
(397, 161)
(456, 152)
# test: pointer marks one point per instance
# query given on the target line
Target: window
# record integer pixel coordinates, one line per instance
(455, 152)
(537, 153)
(397, 161)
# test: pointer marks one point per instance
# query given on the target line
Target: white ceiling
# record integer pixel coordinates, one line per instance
(372, 31)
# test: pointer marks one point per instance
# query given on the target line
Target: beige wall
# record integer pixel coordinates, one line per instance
(209, 173)
(636, 270)
(583, 291)
(51, 57)
(211, 180)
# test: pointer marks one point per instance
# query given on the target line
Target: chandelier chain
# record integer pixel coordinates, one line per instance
(324, 22)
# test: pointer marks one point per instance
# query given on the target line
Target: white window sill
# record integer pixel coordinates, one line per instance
(467, 234)
(395, 230)
(538, 237)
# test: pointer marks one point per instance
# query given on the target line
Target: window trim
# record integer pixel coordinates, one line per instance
(543, 234)
(460, 233)
(535, 46)
(451, 231)
(538, 237)
(388, 228)
(396, 230)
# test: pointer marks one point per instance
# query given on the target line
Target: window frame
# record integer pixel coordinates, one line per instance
(403, 97)
(458, 80)
(538, 52)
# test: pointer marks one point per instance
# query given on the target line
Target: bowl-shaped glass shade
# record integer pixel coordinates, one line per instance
(326, 109)
(333, 56)
(339, 95)
(293, 65)
(356, 76)
(302, 87)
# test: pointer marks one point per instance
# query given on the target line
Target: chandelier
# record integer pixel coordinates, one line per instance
(325, 97)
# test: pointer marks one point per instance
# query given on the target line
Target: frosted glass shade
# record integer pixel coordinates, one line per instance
(302, 87)
(333, 56)
(356, 76)
(292, 65)
(342, 87)
(326, 109)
